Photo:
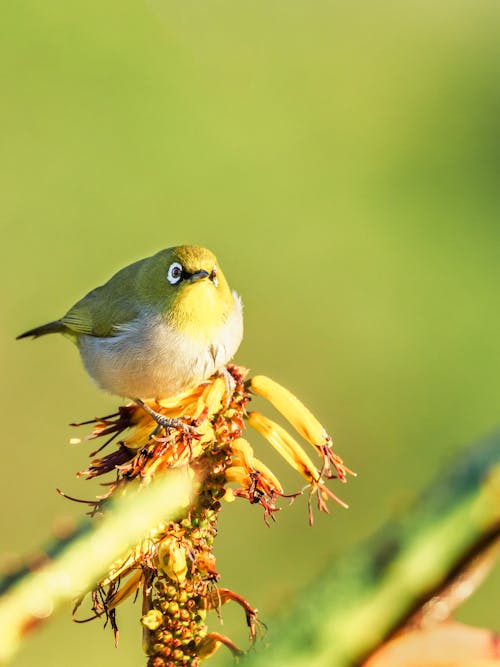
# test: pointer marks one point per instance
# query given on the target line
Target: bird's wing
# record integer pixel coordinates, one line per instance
(100, 313)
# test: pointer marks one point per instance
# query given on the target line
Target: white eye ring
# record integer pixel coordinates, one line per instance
(174, 274)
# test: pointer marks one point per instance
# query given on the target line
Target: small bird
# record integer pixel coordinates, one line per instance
(159, 326)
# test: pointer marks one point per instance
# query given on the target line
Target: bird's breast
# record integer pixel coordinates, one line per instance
(152, 358)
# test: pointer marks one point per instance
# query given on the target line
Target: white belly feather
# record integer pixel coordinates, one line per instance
(149, 358)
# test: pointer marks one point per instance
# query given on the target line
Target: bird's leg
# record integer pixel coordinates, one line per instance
(230, 383)
(164, 422)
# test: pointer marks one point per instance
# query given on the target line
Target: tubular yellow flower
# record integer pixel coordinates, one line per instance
(239, 475)
(290, 407)
(244, 459)
(304, 422)
(153, 619)
(126, 589)
(171, 559)
(283, 442)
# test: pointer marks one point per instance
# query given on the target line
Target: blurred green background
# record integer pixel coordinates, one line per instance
(343, 161)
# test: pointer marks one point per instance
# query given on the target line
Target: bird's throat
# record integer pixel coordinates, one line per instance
(201, 312)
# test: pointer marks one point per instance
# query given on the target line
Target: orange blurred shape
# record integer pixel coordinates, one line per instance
(448, 644)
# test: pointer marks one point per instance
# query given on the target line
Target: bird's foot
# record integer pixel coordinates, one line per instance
(170, 424)
(167, 423)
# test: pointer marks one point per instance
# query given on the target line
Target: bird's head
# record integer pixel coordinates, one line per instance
(187, 286)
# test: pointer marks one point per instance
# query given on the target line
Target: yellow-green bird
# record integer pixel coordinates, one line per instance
(157, 327)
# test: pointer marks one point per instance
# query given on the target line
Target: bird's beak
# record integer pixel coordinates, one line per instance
(197, 275)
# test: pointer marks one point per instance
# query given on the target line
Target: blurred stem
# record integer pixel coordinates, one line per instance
(367, 594)
(76, 563)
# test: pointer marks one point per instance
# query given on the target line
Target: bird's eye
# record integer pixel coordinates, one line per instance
(175, 272)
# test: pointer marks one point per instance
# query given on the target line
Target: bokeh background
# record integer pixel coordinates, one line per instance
(343, 161)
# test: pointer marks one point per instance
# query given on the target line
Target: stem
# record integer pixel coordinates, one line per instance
(76, 563)
(367, 594)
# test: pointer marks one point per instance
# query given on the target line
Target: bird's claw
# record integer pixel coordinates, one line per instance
(169, 424)
(166, 423)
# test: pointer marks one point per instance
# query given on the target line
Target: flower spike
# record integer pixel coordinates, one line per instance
(174, 565)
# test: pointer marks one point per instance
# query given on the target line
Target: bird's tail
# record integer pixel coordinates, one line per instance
(52, 327)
